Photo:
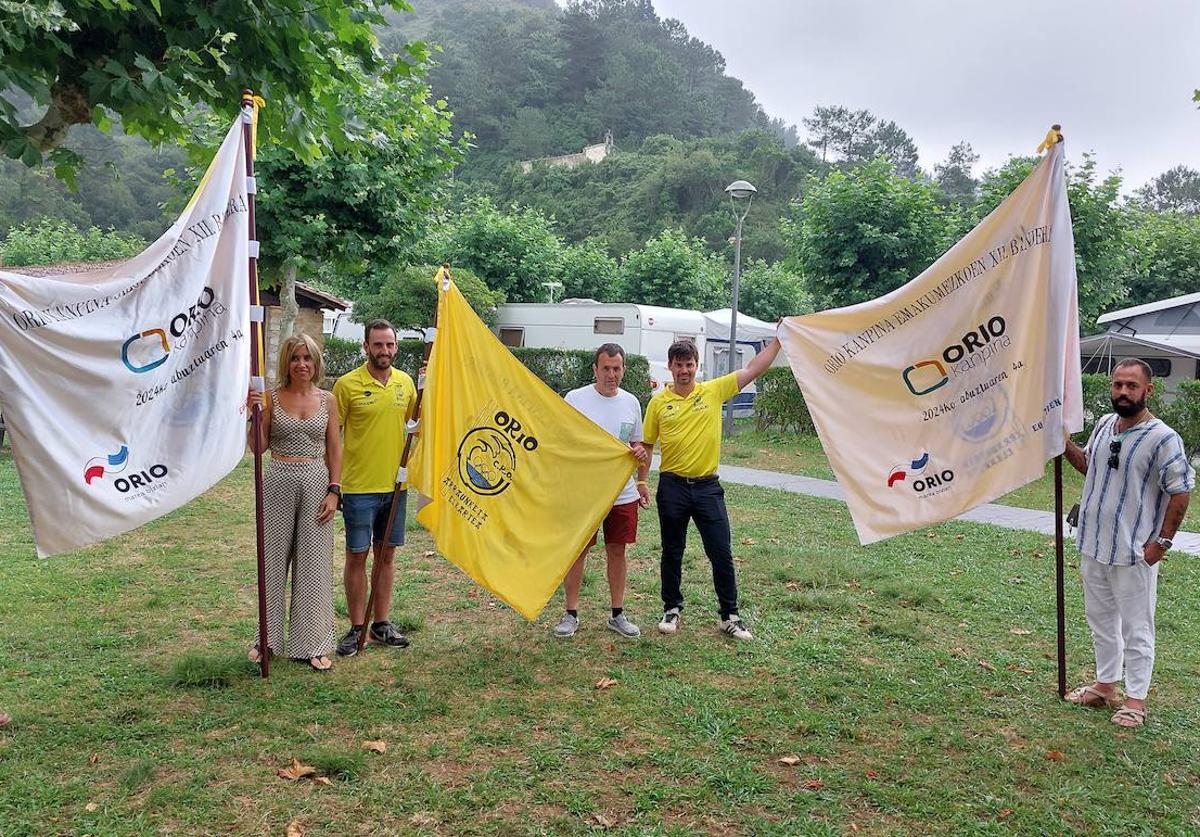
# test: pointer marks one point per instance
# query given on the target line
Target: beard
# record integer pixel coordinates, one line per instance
(1126, 408)
(381, 362)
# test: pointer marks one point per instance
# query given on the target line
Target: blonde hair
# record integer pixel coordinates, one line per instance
(283, 375)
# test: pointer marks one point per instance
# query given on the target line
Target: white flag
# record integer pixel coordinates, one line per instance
(953, 389)
(123, 388)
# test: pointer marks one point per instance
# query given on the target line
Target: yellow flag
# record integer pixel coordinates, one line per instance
(518, 479)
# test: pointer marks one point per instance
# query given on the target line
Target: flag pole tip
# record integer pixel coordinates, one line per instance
(1053, 137)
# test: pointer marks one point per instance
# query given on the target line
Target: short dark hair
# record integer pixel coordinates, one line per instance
(683, 350)
(374, 324)
(610, 349)
(1140, 364)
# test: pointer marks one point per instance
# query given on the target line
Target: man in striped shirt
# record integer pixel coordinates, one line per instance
(1137, 483)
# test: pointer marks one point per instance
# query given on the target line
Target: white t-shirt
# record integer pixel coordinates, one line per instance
(620, 415)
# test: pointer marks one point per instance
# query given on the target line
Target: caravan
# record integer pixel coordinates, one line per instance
(646, 330)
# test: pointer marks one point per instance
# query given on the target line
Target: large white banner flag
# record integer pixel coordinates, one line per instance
(953, 389)
(123, 388)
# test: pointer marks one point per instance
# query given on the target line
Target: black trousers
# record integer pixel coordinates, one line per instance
(679, 500)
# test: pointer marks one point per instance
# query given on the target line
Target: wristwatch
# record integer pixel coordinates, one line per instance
(1165, 543)
(334, 488)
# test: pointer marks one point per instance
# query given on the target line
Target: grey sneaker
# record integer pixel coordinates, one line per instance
(670, 622)
(348, 647)
(734, 627)
(567, 626)
(623, 626)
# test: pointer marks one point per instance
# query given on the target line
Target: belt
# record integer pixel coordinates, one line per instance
(691, 480)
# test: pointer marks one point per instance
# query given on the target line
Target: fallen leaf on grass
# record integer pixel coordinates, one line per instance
(792, 585)
(986, 666)
(429, 553)
(375, 746)
(812, 784)
(94, 758)
(322, 780)
(423, 820)
(958, 651)
(790, 761)
(749, 541)
(773, 540)
(91, 806)
(602, 821)
(1037, 553)
(1017, 668)
(1055, 755)
(295, 829)
(605, 683)
(1020, 632)
(932, 536)
(295, 771)
(1005, 813)
(872, 774)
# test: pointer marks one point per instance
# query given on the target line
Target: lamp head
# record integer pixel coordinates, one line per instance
(741, 189)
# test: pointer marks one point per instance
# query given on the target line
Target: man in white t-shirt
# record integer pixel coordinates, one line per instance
(618, 412)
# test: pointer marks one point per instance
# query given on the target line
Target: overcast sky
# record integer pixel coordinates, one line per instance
(1119, 76)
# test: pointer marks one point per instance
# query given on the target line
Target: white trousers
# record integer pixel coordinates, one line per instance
(1119, 602)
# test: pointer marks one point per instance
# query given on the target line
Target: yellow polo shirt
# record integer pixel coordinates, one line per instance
(689, 428)
(373, 416)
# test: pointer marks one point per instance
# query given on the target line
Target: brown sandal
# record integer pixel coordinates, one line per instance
(1135, 717)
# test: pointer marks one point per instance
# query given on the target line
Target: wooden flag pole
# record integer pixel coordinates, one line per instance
(1058, 558)
(256, 335)
(376, 568)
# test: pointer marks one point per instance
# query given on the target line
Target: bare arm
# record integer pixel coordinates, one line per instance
(1077, 456)
(1176, 508)
(333, 449)
(758, 365)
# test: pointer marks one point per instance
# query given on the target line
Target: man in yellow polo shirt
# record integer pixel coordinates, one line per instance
(374, 402)
(686, 419)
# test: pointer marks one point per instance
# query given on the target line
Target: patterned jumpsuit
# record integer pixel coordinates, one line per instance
(292, 495)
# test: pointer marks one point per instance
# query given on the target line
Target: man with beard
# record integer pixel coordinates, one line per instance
(1137, 483)
(375, 402)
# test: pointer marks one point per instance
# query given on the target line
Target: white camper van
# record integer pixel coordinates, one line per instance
(585, 324)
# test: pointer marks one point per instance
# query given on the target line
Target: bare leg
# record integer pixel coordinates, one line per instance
(385, 561)
(354, 578)
(574, 581)
(617, 570)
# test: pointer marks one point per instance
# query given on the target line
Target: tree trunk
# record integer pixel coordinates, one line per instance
(69, 106)
(289, 309)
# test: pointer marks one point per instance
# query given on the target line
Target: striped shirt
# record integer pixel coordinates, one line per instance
(1123, 508)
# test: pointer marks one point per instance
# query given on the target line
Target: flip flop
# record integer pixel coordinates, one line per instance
(1135, 717)
(1093, 698)
(315, 662)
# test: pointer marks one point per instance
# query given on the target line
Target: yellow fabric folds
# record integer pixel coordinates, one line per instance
(518, 480)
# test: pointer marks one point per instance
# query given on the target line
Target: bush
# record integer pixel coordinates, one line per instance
(780, 403)
(561, 369)
(407, 297)
(55, 241)
(1183, 414)
(341, 356)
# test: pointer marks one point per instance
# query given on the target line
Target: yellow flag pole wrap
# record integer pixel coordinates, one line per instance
(518, 480)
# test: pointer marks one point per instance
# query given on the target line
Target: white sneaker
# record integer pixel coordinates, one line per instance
(670, 622)
(734, 627)
(567, 626)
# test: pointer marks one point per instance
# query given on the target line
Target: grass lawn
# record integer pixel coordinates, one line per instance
(795, 454)
(903, 688)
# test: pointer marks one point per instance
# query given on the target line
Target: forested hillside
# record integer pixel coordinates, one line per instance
(846, 209)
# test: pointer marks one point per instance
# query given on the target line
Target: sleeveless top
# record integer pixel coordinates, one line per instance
(291, 436)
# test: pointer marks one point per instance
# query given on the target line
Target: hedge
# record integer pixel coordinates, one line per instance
(779, 402)
(561, 369)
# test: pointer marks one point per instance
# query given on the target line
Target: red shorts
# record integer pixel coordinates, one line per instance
(620, 526)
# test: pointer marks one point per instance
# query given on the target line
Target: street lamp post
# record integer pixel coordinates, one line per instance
(738, 190)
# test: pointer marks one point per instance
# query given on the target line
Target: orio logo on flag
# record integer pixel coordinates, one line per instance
(917, 474)
(150, 349)
(98, 466)
(129, 485)
(487, 456)
(976, 348)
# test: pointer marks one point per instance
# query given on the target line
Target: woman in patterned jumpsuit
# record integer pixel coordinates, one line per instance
(300, 496)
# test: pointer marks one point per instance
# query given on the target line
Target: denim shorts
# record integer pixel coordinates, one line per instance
(366, 517)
